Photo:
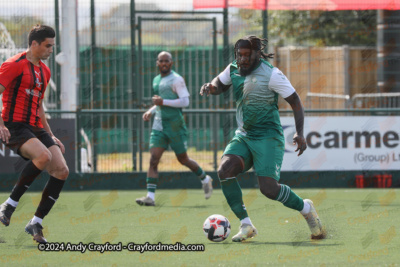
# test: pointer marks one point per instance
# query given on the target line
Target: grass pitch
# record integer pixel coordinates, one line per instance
(362, 229)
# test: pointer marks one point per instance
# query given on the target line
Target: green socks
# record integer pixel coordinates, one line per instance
(233, 194)
(200, 173)
(288, 198)
(151, 184)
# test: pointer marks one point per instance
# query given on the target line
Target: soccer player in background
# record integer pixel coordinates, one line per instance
(24, 128)
(259, 139)
(169, 128)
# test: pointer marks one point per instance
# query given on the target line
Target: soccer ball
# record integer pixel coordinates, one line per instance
(217, 228)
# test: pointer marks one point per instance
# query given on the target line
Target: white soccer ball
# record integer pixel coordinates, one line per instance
(216, 228)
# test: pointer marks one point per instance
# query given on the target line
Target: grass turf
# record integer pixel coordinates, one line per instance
(362, 229)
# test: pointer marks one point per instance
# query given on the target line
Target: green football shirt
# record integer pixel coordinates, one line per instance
(256, 97)
(171, 86)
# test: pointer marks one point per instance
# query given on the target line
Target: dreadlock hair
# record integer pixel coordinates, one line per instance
(257, 44)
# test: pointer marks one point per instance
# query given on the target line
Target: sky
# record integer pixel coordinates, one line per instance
(46, 6)
(45, 9)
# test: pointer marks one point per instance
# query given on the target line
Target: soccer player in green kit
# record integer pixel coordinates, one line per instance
(169, 128)
(259, 139)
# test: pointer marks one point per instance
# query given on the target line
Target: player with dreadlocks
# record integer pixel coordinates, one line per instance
(255, 44)
(259, 139)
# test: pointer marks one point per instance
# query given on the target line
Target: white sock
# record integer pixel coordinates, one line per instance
(246, 221)
(306, 208)
(151, 195)
(12, 202)
(205, 180)
(36, 220)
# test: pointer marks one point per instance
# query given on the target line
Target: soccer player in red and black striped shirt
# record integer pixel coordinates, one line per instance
(24, 128)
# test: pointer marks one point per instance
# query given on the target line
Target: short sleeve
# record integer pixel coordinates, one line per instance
(8, 72)
(225, 76)
(179, 87)
(280, 84)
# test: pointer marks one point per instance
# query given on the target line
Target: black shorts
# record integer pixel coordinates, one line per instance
(22, 132)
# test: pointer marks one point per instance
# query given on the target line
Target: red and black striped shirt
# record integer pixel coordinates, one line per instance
(25, 85)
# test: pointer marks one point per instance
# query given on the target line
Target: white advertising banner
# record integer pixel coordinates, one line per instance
(344, 143)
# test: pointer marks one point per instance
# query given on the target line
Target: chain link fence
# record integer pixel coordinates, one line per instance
(330, 58)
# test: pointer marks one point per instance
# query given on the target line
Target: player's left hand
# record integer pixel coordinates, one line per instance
(157, 100)
(301, 143)
(58, 142)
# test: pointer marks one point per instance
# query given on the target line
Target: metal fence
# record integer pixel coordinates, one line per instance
(357, 101)
(377, 100)
(118, 44)
(125, 148)
(119, 40)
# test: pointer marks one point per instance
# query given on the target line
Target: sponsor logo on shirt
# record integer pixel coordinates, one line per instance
(33, 92)
(38, 83)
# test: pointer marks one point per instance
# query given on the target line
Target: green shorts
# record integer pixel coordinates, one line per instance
(177, 141)
(266, 155)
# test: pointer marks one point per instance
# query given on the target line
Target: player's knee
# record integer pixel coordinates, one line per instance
(63, 173)
(223, 172)
(228, 169)
(44, 158)
(60, 172)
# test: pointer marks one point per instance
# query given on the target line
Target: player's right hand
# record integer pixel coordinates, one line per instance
(147, 116)
(301, 143)
(4, 134)
(206, 89)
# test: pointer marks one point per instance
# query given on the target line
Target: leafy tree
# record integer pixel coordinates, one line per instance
(317, 28)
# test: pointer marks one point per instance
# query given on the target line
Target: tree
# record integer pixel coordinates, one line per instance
(317, 28)
(323, 28)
